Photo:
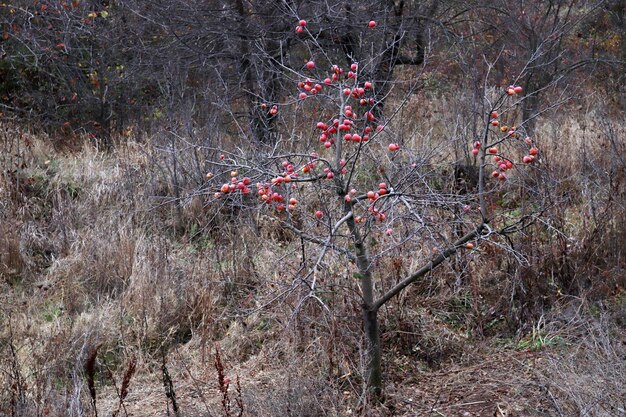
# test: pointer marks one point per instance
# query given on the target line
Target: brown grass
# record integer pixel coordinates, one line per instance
(94, 251)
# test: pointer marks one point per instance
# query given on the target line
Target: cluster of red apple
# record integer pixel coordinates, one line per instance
(350, 116)
(357, 92)
(476, 148)
(382, 190)
(268, 193)
(307, 86)
(514, 89)
(372, 196)
(268, 196)
(287, 175)
(273, 109)
(532, 152)
(510, 131)
(329, 173)
(503, 164)
(301, 25)
(235, 185)
(328, 132)
(377, 214)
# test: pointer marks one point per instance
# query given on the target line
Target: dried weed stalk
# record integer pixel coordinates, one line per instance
(223, 383)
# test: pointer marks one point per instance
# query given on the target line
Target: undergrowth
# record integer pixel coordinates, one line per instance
(110, 273)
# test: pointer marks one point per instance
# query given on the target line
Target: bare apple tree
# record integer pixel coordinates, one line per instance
(362, 187)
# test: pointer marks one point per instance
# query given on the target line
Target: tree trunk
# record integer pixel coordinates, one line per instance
(373, 367)
(373, 355)
(530, 109)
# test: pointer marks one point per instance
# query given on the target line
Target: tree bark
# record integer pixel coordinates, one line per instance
(373, 354)
(373, 366)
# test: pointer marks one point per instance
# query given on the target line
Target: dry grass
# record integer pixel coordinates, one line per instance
(95, 250)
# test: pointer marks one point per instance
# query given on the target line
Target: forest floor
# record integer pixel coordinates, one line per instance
(575, 369)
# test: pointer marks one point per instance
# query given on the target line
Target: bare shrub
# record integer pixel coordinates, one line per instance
(588, 380)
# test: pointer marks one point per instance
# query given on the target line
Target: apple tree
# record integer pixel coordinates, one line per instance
(352, 184)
